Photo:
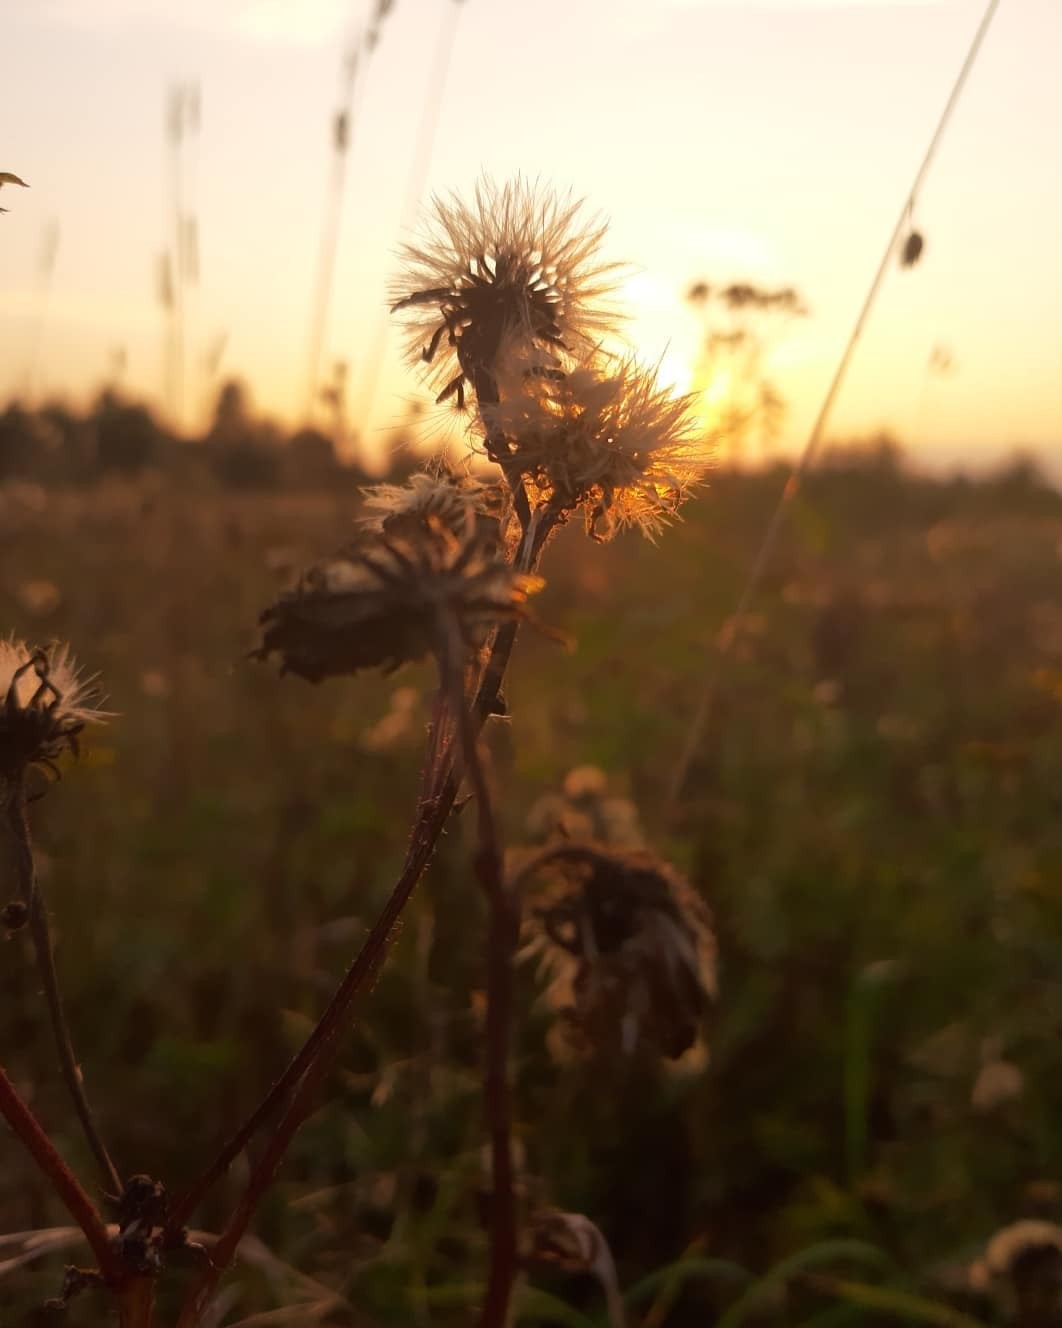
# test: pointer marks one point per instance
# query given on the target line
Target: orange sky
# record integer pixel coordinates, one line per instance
(725, 139)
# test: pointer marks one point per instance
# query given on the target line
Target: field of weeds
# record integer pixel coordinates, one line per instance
(872, 819)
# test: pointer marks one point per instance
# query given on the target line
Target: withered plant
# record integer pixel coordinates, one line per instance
(506, 300)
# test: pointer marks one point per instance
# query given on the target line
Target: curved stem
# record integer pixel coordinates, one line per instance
(18, 819)
(65, 1184)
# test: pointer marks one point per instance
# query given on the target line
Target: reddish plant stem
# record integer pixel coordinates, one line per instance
(438, 791)
(18, 819)
(316, 1053)
(439, 785)
(63, 1181)
(502, 934)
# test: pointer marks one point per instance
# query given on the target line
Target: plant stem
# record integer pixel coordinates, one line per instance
(65, 1184)
(136, 1304)
(42, 942)
(437, 793)
(502, 935)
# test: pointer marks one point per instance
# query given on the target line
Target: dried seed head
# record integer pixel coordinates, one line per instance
(44, 705)
(380, 603)
(446, 496)
(515, 261)
(606, 437)
(629, 950)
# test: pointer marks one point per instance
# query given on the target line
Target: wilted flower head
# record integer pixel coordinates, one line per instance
(1021, 1268)
(44, 705)
(383, 602)
(516, 261)
(629, 949)
(606, 437)
(446, 496)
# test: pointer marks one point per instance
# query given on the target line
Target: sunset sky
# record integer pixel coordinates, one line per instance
(725, 140)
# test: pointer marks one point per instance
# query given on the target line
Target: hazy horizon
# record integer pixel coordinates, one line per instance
(725, 141)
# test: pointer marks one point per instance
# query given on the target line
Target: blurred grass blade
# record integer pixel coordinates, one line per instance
(864, 997)
(813, 1256)
(675, 1275)
(903, 1305)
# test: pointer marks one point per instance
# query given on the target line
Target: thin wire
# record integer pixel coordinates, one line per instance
(729, 630)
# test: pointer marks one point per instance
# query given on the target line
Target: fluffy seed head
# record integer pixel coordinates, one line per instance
(606, 437)
(629, 951)
(381, 603)
(515, 261)
(44, 705)
(449, 497)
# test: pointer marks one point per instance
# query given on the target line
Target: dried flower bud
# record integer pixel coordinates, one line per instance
(380, 603)
(445, 496)
(628, 947)
(513, 261)
(606, 437)
(44, 705)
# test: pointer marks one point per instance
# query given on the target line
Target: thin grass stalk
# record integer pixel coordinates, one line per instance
(18, 819)
(720, 648)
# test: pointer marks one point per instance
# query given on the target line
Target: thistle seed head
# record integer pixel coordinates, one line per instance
(45, 702)
(515, 261)
(628, 949)
(381, 603)
(446, 496)
(606, 438)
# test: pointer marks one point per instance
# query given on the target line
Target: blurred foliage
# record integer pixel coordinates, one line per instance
(874, 820)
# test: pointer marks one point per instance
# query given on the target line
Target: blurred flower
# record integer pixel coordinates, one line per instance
(585, 810)
(44, 705)
(155, 683)
(516, 261)
(606, 437)
(383, 602)
(396, 724)
(628, 948)
(997, 1083)
(39, 598)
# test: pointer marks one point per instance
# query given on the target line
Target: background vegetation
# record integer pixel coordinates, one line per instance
(873, 818)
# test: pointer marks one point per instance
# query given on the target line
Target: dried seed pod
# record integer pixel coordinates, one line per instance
(380, 603)
(628, 949)
(912, 249)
